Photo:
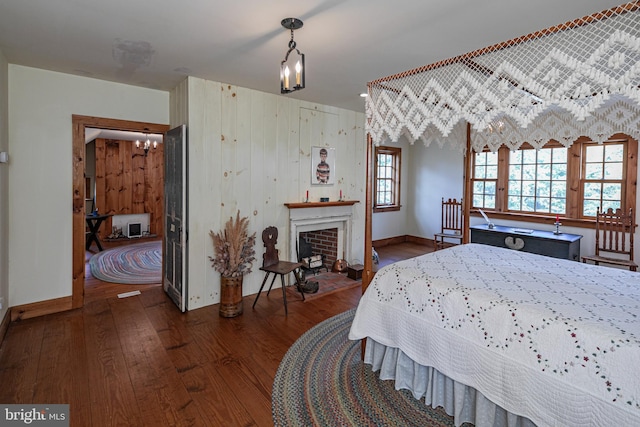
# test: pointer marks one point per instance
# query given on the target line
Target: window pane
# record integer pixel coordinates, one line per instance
(544, 189)
(478, 200)
(593, 171)
(478, 188)
(613, 171)
(490, 202)
(514, 203)
(529, 188)
(529, 172)
(559, 171)
(528, 156)
(514, 188)
(542, 205)
(612, 191)
(492, 158)
(613, 152)
(589, 207)
(559, 155)
(492, 172)
(558, 206)
(544, 156)
(515, 157)
(479, 172)
(559, 189)
(490, 187)
(515, 172)
(592, 190)
(544, 172)
(595, 153)
(528, 204)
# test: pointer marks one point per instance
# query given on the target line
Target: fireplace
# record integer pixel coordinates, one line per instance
(322, 242)
(327, 225)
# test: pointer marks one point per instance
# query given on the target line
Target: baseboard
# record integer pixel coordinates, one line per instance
(41, 308)
(4, 325)
(420, 240)
(402, 239)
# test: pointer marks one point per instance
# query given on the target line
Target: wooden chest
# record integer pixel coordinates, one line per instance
(355, 271)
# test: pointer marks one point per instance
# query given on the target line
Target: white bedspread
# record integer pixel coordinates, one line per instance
(552, 340)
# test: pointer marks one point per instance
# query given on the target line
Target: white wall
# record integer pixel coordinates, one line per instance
(4, 186)
(41, 104)
(251, 151)
(428, 175)
(434, 173)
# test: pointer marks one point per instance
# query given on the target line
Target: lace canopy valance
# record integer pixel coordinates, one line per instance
(579, 78)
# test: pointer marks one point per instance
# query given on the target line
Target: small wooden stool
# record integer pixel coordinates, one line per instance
(272, 264)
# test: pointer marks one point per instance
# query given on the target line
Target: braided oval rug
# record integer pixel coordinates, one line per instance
(322, 381)
(135, 264)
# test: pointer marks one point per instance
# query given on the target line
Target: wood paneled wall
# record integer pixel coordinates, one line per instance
(128, 182)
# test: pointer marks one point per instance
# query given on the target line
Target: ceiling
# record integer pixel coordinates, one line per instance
(92, 133)
(347, 43)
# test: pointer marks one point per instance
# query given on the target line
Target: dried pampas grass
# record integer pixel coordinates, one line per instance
(233, 247)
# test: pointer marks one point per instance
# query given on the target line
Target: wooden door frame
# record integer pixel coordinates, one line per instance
(78, 152)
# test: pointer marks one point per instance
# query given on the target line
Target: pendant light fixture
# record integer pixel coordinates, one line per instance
(147, 145)
(292, 70)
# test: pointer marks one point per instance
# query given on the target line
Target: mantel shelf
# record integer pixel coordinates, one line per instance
(320, 204)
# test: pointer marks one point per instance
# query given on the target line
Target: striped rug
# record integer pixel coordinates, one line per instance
(135, 264)
(322, 381)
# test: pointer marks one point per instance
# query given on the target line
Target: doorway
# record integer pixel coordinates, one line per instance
(79, 209)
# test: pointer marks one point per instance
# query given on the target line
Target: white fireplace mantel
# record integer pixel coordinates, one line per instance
(305, 217)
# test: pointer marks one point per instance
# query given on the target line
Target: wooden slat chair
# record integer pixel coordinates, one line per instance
(614, 239)
(271, 264)
(451, 224)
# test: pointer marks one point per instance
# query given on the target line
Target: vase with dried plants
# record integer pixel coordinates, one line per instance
(234, 257)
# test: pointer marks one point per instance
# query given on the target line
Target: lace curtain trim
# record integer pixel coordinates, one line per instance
(569, 81)
(619, 117)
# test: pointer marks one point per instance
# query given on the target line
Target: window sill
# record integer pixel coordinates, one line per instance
(386, 209)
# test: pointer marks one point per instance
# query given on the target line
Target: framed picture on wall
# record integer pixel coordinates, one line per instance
(323, 165)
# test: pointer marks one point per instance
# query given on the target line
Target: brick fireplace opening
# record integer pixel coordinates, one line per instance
(323, 242)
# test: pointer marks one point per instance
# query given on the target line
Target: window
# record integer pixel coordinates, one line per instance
(603, 184)
(572, 182)
(538, 180)
(387, 179)
(485, 177)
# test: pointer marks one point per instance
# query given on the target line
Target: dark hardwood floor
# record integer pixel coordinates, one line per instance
(95, 289)
(138, 361)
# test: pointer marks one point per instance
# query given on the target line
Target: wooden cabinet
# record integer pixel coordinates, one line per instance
(541, 242)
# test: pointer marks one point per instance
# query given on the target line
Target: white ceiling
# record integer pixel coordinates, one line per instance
(347, 43)
(121, 135)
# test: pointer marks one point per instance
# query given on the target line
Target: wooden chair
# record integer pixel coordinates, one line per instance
(451, 224)
(614, 239)
(271, 264)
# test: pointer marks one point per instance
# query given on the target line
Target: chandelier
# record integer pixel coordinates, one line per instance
(288, 82)
(146, 145)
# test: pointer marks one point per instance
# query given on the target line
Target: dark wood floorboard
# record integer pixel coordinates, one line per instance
(138, 361)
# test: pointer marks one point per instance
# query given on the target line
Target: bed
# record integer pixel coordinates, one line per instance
(502, 337)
